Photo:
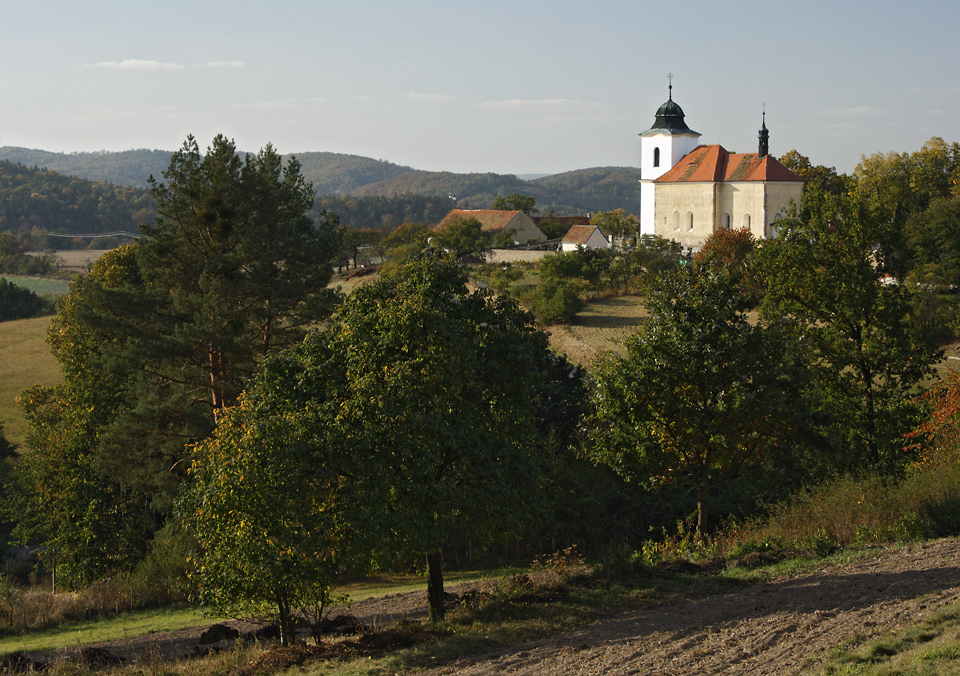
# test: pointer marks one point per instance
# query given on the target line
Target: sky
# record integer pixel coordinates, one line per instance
(511, 87)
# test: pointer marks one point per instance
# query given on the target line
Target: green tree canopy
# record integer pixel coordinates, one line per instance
(700, 392)
(462, 237)
(421, 396)
(264, 499)
(824, 179)
(934, 239)
(617, 223)
(515, 202)
(232, 264)
(162, 337)
(829, 272)
(895, 185)
(439, 398)
(17, 302)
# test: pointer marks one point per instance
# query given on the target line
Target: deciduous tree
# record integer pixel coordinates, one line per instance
(829, 271)
(699, 392)
(824, 179)
(462, 237)
(264, 498)
(617, 223)
(438, 405)
(16, 302)
(515, 202)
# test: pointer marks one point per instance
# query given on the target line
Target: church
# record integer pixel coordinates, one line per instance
(688, 190)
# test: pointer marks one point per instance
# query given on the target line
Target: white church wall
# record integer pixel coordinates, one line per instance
(685, 212)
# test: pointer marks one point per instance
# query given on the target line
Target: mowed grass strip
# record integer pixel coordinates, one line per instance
(118, 627)
(600, 327)
(388, 584)
(40, 285)
(136, 623)
(25, 361)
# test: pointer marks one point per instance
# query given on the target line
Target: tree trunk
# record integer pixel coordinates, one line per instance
(435, 586)
(286, 623)
(701, 513)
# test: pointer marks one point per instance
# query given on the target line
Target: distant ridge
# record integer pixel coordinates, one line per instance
(340, 175)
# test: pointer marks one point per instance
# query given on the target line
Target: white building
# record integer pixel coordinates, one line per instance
(584, 237)
(688, 191)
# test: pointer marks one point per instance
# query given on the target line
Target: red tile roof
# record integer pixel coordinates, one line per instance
(491, 220)
(579, 234)
(562, 220)
(714, 164)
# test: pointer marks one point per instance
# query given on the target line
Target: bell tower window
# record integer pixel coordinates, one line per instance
(656, 157)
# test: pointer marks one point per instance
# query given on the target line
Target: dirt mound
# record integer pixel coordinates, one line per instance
(280, 659)
(218, 632)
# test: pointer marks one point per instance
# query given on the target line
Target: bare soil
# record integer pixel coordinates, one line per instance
(766, 628)
(775, 627)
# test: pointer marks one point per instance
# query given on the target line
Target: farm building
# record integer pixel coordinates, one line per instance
(493, 221)
(584, 237)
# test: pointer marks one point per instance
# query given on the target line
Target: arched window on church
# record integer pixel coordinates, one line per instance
(726, 221)
(656, 157)
(676, 220)
(746, 221)
(689, 220)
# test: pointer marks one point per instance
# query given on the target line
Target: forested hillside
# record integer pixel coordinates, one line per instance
(569, 194)
(369, 193)
(597, 189)
(129, 168)
(339, 174)
(42, 200)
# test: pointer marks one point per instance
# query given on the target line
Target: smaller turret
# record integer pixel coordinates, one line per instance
(764, 149)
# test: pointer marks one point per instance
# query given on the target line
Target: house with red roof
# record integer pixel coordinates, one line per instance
(494, 221)
(584, 237)
(688, 191)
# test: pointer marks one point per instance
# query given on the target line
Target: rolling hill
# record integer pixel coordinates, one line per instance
(368, 192)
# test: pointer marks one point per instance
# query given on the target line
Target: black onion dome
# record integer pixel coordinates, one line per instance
(669, 120)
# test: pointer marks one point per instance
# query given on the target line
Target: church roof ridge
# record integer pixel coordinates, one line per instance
(713, 163)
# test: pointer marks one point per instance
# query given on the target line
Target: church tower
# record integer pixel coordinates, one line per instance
(661, 147)
(763, 148)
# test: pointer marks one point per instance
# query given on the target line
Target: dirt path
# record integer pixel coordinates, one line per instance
(772, 628)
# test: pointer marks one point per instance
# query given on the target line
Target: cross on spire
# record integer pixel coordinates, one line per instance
(670, 80)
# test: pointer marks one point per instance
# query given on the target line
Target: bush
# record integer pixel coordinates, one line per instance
(556, 302)
(17, 302)
(26, 265)
(858, 511)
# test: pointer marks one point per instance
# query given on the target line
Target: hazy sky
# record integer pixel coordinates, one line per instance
(513, 86)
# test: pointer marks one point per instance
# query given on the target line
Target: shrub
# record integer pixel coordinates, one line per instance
(556, 302)
(17, 302)
(858, 511)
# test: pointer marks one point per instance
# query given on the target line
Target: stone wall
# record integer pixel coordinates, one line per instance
(515, 255)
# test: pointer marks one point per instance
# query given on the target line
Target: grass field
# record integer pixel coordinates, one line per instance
(600, 327)
(124, 625)
(40, 285)
(25, 360)
(78, 260)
